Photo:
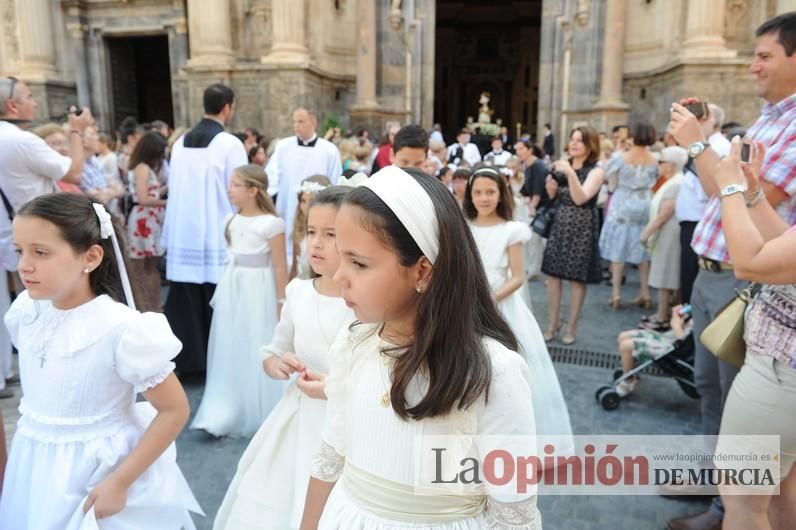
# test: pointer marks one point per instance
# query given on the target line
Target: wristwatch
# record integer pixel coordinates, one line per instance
(696, 149)
(732, 189)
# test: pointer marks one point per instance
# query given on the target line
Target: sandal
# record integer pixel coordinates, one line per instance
(615, 302)
(643, 302)
(654, 324)
(568, 340)
(551, 334)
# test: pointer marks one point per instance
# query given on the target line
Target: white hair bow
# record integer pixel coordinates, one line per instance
(107, 231)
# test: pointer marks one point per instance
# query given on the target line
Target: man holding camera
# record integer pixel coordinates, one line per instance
(28, 166)
(774, 135)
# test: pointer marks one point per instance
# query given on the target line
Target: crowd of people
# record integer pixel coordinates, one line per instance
(318, 283)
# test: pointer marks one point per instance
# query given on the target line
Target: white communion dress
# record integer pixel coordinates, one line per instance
(238, 396)
(81, 370)
(372, 453)
(270, 485)
(552, 415)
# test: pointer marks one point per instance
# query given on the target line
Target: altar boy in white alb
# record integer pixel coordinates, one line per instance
(202, 162)
(296, 158)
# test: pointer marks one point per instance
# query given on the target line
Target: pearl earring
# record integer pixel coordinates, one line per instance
(418, 289)
(86, 270)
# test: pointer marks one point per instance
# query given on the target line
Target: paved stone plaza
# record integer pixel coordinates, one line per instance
(659, 407)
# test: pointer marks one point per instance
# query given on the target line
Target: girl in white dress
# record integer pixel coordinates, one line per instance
(300, 268)
(237, 398)
(488, 206)
(270, 484)
(422, 360)
(85, 455)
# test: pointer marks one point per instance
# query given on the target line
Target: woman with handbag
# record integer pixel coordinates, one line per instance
(762, 399)
(572, 252)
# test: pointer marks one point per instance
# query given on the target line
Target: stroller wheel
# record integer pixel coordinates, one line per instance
(618, 373)
(600, 391)
(609, 399)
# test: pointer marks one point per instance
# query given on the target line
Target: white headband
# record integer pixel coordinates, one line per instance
(107, 231)
(309, 186)
(411, 205)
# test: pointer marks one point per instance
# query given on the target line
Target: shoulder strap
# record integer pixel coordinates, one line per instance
(7, 204)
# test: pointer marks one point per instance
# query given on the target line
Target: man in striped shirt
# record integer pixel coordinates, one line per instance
(774, 67)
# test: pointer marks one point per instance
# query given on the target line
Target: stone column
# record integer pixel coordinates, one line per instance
(289, 43)
(210, 32)
(704, 33)
(36, 45)
(366, 55)
(613, 54)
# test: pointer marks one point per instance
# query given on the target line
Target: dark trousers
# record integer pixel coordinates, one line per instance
(188, 311)
(689, 264)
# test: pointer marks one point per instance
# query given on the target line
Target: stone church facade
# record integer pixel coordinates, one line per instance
(361, 63)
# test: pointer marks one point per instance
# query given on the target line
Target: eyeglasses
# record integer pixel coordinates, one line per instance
(14, 81)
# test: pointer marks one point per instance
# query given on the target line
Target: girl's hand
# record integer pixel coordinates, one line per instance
(312, 383)
(283, 367)
(108, 498)
(645, 236)
(729, 170)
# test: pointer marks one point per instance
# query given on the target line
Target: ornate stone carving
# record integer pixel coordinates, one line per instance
(396, 16)
(736, 23)
(10, 30)
(583, 12)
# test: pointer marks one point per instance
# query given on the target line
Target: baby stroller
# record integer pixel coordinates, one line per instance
(678, 363)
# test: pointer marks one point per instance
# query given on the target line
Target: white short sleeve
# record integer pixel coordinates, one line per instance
(145, 350)
(284, 333)
(273, 227)
(21, 306)
(518, 233)
(43, 160)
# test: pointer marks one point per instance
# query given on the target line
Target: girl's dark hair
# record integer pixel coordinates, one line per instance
(253, 152)
(461, 173)
(78, 224)
(332, 196)
(505, 206)
(444, 170)
(150, 150)
(451, 322)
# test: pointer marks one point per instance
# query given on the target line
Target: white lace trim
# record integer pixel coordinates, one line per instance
(522, 515)
(152, 382)
(327, 465)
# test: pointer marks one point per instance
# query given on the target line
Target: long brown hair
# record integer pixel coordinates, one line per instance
(591, 139)
(253, 176)
(150, 150)
(451, 321)
(505, 206)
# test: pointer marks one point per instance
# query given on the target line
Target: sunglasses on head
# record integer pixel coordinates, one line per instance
(14, 81)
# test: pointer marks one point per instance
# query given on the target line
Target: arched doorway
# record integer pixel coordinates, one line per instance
(487, 47)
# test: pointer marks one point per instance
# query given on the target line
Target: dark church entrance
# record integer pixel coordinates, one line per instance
(140, 79)
(487, 47)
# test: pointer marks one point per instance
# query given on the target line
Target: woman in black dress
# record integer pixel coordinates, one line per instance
(572, 251)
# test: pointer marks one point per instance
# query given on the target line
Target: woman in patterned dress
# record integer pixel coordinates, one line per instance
(145, 222)
(572, 252)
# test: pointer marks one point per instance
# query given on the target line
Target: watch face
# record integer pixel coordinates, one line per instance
(695, 149)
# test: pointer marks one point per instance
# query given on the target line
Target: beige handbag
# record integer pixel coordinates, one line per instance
(724, 336)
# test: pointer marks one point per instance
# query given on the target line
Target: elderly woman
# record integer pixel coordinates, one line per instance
(662, 235)
(762, 399)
